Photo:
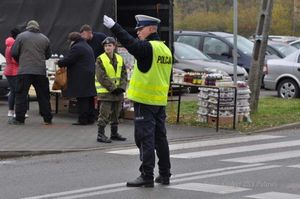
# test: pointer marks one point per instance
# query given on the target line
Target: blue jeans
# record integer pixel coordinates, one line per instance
(12, 94)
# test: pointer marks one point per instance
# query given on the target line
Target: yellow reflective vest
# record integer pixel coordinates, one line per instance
(152, 87)
(110, 71)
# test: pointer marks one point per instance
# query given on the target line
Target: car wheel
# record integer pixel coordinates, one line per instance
(288, 88)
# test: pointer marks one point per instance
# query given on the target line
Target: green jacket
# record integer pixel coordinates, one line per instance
(106, 82)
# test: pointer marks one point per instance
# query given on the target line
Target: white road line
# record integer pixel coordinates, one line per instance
(295, 166)
(189, 145)
(5, 162)
(183, 176)
(210, 188)
(214, 170)
(77, 191)
(266, 157)
(275, 195)
(240, 149)
(225, 173)
(96, 193)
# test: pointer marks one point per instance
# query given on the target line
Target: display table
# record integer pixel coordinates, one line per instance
(219, 103)
(56, 94)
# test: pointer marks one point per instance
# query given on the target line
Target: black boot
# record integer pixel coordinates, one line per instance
(115, 135)
(141, 182)
(101, 135)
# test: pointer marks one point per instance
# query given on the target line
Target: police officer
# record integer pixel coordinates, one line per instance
(148, 89)
(111, 81)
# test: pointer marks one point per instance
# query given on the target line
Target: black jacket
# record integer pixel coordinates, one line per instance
(80, 63)
(141, 50)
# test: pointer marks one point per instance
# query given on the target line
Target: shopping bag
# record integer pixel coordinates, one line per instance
(60, 81)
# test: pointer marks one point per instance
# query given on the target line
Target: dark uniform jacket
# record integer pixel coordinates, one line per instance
(107, 83)
(80, 65)
(141, 50)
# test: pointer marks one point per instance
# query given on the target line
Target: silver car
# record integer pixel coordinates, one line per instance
(190, 59)
(283, 75)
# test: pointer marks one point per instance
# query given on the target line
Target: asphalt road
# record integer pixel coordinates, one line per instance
(262, 166)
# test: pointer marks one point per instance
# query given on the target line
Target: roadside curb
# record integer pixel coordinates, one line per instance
(25, 153)
(282, 127)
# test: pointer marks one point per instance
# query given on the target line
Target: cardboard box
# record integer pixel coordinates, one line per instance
(63, 104)
(127, 114)
(223, 121)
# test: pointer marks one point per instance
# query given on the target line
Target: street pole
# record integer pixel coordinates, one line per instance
(235, 30)
(259, 50)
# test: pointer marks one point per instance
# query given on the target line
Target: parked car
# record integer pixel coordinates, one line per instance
(190, 59)
(4, 90)
(218, 45)
(295, 43)
(282, 38)
(280, 49)
(283, 75)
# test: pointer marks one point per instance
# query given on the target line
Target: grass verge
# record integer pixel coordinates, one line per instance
(272, 111)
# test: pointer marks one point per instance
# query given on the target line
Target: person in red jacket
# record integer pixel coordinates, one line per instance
(11, 70)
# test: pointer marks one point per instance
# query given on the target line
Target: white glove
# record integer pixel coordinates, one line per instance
(108, 22)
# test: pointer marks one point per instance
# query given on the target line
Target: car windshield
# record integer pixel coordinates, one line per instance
(245, 45)
(284, 49)
(183, 51)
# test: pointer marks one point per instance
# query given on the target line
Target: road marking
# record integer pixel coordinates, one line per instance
(240, 149)
(5, 162)
(96, 193)
(275, 195)
(190, 145)
(225, 173)
(77, 191)
(210, 188)
(266, 157)
(175, 179)
(295, 166)
(214, 170)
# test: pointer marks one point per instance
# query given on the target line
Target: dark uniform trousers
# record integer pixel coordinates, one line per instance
(150, 135)
(109, 113)
(41, 86)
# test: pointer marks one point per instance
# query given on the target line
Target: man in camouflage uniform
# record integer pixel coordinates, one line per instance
(110, 84)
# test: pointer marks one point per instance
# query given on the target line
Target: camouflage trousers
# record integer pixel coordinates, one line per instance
(109, 112)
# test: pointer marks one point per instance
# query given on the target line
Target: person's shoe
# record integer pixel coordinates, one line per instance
(11, 113)
(47, 122)
(79, 123)
(26, 115)
(162, 180)
(103, 138)
(117, 137)
(13, 121)
(140, 182)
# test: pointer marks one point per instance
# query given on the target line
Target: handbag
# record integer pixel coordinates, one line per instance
(60, 81)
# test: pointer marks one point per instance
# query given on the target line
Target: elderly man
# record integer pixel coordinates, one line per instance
(31, 49)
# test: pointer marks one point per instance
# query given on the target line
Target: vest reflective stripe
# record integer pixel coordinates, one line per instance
(115, 76)
(152, 87)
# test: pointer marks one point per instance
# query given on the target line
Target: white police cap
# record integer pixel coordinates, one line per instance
(144, 20)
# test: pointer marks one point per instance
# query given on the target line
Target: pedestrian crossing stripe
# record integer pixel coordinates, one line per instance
(203, 143)
(275, 195)
(210, 188)
(295, 166)
(231, 150)
(266, 157)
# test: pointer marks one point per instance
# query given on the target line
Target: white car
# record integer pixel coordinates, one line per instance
(283, 75)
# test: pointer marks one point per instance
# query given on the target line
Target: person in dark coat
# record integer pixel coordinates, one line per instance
(94, 39)
(81, 77)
